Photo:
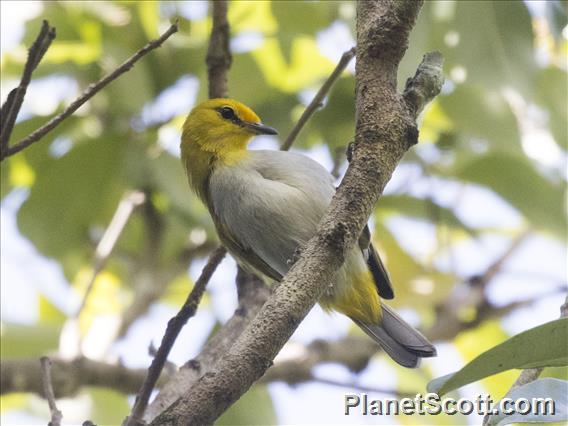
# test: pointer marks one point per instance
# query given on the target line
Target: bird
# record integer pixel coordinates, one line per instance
(265, 204)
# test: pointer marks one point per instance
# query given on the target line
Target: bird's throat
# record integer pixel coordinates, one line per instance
(200, 162)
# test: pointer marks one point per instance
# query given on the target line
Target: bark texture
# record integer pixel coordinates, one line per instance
(218, 54)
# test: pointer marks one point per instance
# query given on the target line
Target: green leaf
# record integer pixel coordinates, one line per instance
(109, 407)
(552, 96)
(335, 122)
(557, 18)
(516, 180)
(74, 193)
(415, 285)
(477, 113)
(420, 208)
(296, 18)
(542, 346)
(251, 16)
(471, 343)
(496, 43)
(254, 408)
(492, 41)
(49, 313)
(554, 389)
(148, 13)
(28, 341)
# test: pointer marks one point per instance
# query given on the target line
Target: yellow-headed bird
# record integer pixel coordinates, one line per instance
(267, 203)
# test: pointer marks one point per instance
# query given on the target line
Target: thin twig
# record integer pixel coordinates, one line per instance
(218, 54)
(366, 389)
(89, 93)
(316, 102)
(497, 266)
(172, 331)
(252, 293)
(13, 103)
(128, 203)
(426, 83)
(126, 206)
(151, 284)
(56, 415)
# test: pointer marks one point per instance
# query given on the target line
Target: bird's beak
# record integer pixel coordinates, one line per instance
(260, 129)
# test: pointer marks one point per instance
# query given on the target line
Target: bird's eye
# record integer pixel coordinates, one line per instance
(227, 113)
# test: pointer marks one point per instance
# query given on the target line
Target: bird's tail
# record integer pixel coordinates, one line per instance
(404, 344)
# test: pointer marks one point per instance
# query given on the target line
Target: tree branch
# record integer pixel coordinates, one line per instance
(317, 101)
(353, 352)
(172, 331)
(13, 103)
(385, 130)
(56, 415)
(252, 294)
(426, 83)
(128, 203)
(472, 294)
(23, 375)
(91, 91)
(218, 54)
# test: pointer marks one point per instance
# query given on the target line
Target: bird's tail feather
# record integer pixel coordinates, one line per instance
(400, 340)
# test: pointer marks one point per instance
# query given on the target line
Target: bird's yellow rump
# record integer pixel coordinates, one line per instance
(267, 203)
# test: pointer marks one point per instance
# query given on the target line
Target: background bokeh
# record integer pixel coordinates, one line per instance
(489, 172)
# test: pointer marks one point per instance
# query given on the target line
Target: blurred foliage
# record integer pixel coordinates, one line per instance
(500, 124)
(539, 347)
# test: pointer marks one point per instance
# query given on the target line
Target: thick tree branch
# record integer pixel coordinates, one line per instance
(218, 54)
(385, 129)
(91, 91)
(24, 375)
(353, 352)
(13, 103)
(318, 99)
(172, 331)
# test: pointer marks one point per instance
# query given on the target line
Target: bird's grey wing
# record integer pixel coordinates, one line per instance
(246, 256)
(265, 211)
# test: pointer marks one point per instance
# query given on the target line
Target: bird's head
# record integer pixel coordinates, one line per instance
(222, 127)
